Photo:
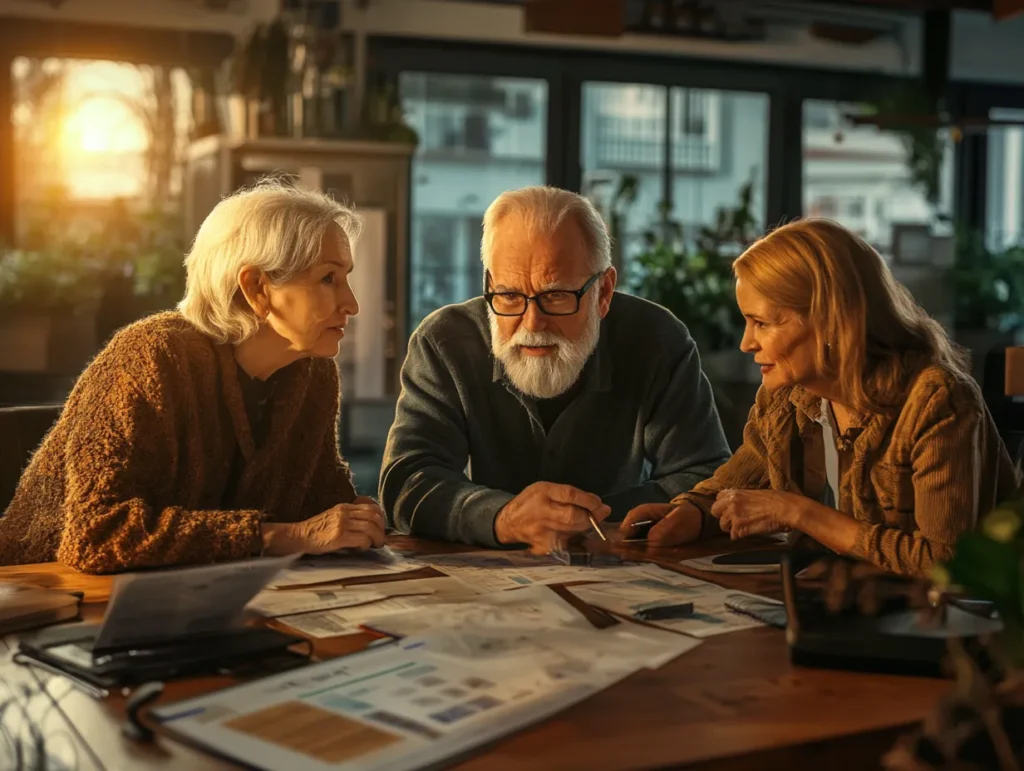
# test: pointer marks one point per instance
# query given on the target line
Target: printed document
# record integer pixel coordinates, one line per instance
(710, 614)
(483, 669)
(394, 707)
(336, 568)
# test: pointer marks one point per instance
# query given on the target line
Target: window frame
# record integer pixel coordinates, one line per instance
(787, 86)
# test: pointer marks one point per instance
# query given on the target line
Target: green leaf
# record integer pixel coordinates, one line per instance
(989, 570)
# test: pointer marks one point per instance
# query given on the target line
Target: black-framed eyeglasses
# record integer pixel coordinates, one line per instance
(554, 302)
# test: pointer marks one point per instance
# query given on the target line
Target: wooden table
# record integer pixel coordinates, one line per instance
(734, 702)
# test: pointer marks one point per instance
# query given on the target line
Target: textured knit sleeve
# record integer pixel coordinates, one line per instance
(121, 447)
(747, 469)
(332, 480)
(947, 463)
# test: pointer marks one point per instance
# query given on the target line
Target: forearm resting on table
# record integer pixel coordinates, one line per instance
(698, 509)
(829, 527)
(279, 539)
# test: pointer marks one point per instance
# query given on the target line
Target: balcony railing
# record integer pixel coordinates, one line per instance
(475, 133)
(640, 142)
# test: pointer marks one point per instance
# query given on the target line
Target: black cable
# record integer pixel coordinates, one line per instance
(95, 758)
(38, 760)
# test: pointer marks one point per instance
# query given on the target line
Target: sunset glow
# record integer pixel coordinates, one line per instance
(103, 125)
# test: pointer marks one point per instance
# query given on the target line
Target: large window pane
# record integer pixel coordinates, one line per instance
(479, 136)
(859, 176)
(685, 152)
(622, 149)
(719, 143)
(1005, 204)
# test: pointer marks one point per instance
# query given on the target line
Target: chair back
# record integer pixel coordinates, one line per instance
(21, 431)
(1007, 412)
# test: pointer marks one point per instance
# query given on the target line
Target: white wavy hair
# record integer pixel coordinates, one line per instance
(273, 226)
(542, 209)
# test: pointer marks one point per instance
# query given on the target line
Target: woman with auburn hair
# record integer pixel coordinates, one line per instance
(867, 434)
(210, 433)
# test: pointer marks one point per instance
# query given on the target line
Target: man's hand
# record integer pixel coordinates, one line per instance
(357, 525)
(546, 515)
(675, 523)
(754, 512)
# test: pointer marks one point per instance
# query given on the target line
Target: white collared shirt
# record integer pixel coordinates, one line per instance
(829, 432)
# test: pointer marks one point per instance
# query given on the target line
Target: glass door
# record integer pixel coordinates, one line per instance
(860, 176)
(1004, 209)
(479, 136)
(682, 154)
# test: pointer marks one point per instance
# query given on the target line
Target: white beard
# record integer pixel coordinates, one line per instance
(544, 377)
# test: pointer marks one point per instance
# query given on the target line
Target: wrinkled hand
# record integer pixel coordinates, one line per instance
(357, 525)
(754, 512)
(546, 515)
(675, 523)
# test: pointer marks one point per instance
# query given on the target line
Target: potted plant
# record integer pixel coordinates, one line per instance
(613, 197)
(980, 723)
(988, 288)
(693, 279)
(48, 302)
(134, 258)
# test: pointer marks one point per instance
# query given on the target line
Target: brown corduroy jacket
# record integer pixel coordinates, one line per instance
(136, 471)
(915, 480)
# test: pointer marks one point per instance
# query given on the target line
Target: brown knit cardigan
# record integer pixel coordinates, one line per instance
(135, 472)
(915, 480)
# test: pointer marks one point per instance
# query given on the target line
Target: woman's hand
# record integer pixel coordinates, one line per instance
(356, 525)
(755, 512)
(674, 523)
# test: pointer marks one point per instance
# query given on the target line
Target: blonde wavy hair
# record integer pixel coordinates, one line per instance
(871, 335)
(273, 226)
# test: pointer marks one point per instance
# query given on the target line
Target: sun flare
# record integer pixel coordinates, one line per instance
(103, 125)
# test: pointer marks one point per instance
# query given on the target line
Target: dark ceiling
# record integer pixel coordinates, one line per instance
(920, 5)
(905, 5)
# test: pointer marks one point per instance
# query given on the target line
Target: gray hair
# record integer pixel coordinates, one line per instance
(272, 226)
(543, 209)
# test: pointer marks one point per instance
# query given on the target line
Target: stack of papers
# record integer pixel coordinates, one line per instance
(472, 662)
(335, 569)
(534, 628)
(427, 698)
(274, 603)
(334, 611)
(710, 614)
(497, 571)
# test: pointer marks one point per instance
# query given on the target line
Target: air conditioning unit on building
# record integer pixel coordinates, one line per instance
(520, 105)
(476, 131)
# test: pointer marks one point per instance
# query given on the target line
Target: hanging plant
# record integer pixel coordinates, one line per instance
(907, 112)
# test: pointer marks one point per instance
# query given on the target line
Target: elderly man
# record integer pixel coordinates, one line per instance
(551, 399)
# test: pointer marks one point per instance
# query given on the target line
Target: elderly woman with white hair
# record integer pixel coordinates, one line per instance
(210, 433)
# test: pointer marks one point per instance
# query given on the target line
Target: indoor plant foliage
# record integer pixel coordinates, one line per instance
(692, 276)
(980, 723)
(108, 264)
(47, 281)
(988, 286)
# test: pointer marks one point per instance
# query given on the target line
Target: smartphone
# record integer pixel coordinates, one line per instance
(756, 557)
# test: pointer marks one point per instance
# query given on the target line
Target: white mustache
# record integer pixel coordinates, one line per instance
(524, 337)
